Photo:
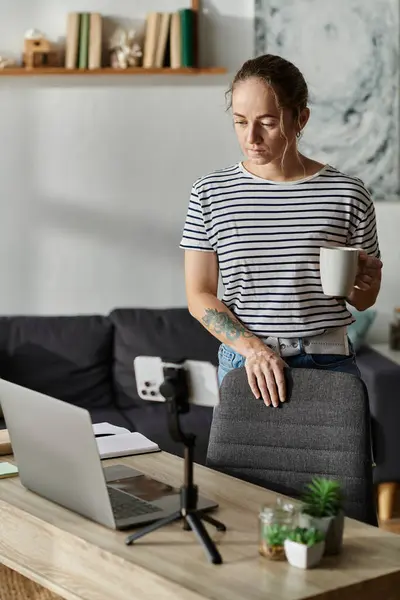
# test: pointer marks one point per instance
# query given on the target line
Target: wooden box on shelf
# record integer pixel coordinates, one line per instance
(38, 53)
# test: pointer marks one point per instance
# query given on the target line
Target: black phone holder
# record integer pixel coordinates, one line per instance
(175, 390)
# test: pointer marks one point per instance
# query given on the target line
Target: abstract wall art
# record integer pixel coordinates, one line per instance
(348, 51)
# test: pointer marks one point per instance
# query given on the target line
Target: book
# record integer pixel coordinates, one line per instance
(84, 36)
(153, 22)
(121, 442)
(72, 40)
(175, 41)
(7, 470)
(125, 444)
(95, 41)
(100, 429)
(187, 37)
(161, 49)
(5, 442)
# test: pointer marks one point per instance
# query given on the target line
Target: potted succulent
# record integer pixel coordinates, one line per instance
(304, 547)
(272, 541)
(322, 509)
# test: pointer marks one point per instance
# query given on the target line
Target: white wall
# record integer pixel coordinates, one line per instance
(96, 172)
(388, 218)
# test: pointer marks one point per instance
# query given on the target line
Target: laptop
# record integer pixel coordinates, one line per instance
(57, 457)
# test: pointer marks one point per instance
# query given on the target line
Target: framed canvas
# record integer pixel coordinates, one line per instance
(348, 51)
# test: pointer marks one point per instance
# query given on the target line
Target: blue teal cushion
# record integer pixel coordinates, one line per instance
(358, 330)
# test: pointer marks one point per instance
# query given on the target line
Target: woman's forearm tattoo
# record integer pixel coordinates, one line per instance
(222, 322)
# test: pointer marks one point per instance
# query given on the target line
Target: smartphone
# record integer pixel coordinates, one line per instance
(201, 378)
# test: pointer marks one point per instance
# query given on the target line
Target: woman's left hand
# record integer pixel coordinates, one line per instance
(369, 272)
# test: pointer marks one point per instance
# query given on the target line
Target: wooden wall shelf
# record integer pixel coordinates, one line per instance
(22, 72)
(62, 71)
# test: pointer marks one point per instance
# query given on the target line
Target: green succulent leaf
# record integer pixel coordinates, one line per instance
(276, 534)
(308, 537)
(322, 497)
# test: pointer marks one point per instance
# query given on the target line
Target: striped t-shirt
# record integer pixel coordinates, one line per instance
(267, 237)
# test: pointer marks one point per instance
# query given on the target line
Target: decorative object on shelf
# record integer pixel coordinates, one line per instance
(6, 63)
(394, 330)
(38, 51)
(323, 510)
(275, 522)
(304, 547)
(125, 51)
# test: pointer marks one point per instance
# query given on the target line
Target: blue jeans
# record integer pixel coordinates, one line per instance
(229, 359)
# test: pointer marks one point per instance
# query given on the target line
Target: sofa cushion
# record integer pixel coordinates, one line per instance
(382, 378)
(169, 333)
(68, 357)
(358, 330)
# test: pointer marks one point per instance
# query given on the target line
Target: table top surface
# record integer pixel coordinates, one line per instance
(79, 559)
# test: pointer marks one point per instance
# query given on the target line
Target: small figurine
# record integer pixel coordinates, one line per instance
(6, 63)
(37, 50)
(125, 51)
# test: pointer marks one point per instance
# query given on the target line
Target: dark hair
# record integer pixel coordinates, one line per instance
(284, 78)
(286, 81)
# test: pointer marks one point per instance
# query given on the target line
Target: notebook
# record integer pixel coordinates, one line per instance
(7, 470)
(117, 441)
(125, 444)
(100, 429)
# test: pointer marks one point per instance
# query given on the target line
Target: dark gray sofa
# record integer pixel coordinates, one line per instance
(382, 378)
(87, 360)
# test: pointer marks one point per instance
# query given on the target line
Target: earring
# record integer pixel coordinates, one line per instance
(299, 134)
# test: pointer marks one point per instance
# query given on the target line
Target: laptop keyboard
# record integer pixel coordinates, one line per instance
(125, 506)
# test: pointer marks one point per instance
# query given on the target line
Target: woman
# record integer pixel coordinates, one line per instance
(261, 223)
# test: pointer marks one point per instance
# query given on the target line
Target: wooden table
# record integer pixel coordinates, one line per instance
(79, 559)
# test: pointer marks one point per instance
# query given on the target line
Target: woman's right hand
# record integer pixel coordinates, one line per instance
(265, 373)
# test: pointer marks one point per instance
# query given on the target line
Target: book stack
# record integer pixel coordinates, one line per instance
(84, 41)
(170, 40)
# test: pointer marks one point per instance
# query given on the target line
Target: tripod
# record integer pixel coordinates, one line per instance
(175, 390)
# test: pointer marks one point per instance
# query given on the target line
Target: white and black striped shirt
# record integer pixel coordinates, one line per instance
(267, 237)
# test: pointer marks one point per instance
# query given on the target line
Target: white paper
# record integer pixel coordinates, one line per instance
(107, 429)
(125, 444)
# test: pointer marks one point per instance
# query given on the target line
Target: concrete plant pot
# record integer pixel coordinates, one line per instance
(332, 527)
(321, 523)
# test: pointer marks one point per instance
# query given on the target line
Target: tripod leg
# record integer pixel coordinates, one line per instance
(217, 524)
(203, 537)
(152, 527)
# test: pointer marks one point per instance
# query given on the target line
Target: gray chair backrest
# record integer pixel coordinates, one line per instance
(323, 429)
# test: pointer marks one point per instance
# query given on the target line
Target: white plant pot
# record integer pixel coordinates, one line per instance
(302, 556)
(307, 521)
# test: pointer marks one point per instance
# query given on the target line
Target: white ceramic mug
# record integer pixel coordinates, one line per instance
(338, 269)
